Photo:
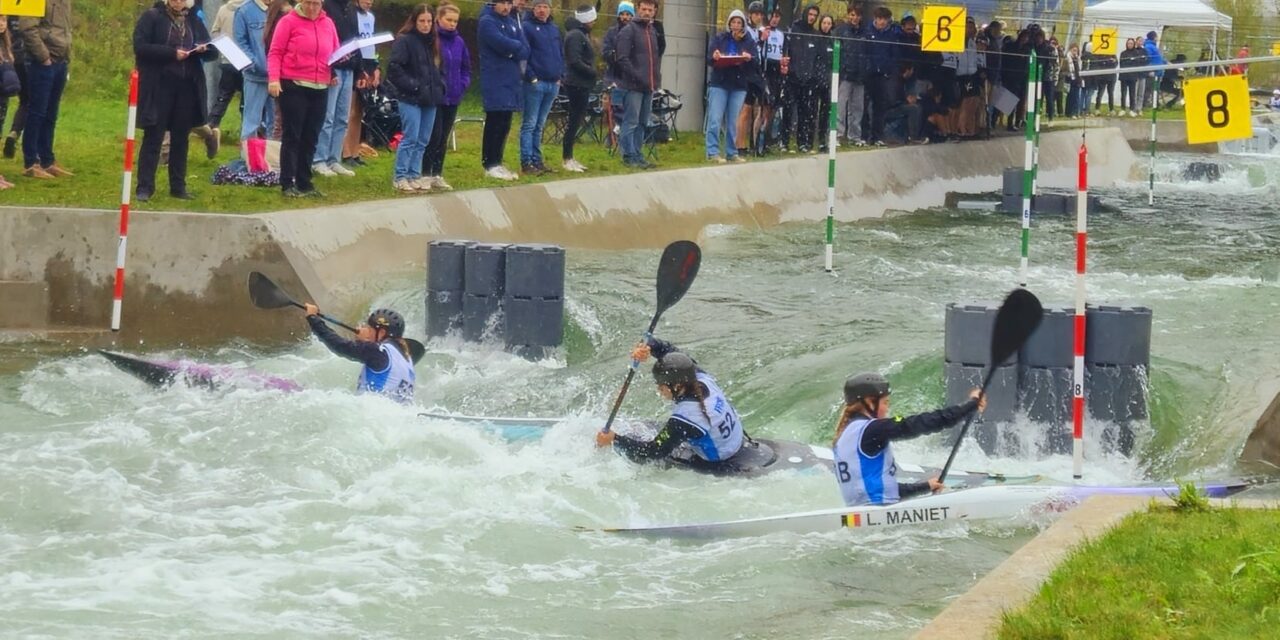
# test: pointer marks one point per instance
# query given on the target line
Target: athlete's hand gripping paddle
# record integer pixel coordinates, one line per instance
(676, 271)
(1017, 318)
(266, 295)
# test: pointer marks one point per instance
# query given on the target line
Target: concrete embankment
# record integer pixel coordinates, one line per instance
(187, 272)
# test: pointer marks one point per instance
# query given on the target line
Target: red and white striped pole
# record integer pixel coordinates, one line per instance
(125, 193)
(1077, 385)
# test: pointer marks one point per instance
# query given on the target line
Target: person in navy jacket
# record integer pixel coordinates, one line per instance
(502, 50)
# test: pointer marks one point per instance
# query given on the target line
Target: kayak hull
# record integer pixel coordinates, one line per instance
(163, 373)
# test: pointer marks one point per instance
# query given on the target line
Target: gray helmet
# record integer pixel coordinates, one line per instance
(756, 7)
(864, 385)
(675, 368)
(387, 319)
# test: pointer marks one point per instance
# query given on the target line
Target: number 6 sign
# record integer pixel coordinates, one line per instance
(30, 8)
(1217, 109)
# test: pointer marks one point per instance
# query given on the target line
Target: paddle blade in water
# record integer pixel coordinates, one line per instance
(416, 349)
(1016, 320)
(265, 294)
(676, 271)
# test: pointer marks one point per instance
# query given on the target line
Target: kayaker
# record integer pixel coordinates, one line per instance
(379, 345)
(701, 417)
(864, 462)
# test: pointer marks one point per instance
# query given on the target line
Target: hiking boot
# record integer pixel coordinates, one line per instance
(182, 195)
(291, 192)
(143, 196)
(210, 137)
(35, 171)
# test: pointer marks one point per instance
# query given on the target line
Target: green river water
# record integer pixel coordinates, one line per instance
(127, 512)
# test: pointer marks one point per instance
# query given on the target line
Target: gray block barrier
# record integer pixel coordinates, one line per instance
(1012, 182)
(1045, 396)
(485, 269)
(481, 317)
(1117, 396)
(1002, 395)
(444, 313)
(1053, 342)
(446, 260)
(968, 333)
(1117, 335)
(534, 271)
(535, 322)
(1047, 204)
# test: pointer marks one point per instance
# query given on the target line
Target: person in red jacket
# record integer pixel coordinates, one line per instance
(299, 77)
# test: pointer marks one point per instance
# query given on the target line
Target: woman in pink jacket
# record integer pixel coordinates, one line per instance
(298, 76)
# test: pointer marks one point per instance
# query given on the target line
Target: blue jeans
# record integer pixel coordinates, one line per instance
(329, 146)
(415, 125)
(635, 118)
(538, 97)
(258, 111)
(723, 107)
(46, 85)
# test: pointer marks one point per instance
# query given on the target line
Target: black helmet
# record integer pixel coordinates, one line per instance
(756, 7)
(864, 385)
(675, 368)
(387, 319)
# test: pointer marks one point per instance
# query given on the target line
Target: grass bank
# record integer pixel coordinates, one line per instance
(1165, 573)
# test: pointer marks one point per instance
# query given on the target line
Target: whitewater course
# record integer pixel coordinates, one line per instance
(128, 511)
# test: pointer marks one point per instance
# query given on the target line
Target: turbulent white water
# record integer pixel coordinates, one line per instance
(128, 512)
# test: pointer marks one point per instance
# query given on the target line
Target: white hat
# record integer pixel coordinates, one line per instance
(585, 15)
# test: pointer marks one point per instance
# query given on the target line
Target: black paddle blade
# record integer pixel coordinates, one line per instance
(265, 294)
(416, 349)
(676, 271)
(1016, 320)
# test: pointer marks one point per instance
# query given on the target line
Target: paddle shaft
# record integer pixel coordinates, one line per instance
(942, 477)
(329, 319)
(631, 374)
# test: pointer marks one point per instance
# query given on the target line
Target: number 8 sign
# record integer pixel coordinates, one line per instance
(1217, 109)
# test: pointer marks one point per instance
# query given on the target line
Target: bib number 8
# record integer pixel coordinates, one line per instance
(842, 470)
(1216, 100)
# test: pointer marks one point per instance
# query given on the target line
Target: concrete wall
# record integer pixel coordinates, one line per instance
(187, 272)
(684, 65)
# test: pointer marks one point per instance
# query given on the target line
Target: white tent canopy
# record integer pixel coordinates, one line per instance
(1140, 16)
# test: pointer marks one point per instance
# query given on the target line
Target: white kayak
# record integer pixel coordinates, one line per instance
(990, 502)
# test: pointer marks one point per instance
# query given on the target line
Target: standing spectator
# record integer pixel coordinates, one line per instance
(803, 51)
(47, 44)
(276, 10)
(579, 78)
(1240, 68)
(772, 42)
(171, 90)
(1171, 83)
(415, 78)
(1151, 80)
(1132, 56)
(1047, 57)
(1015, 62)
(968, 79)
(16, 51)
(756, 91)
(455, 70)
(367, 79)
(230, 80)
(541, 83)
(502, 53)
(1105, 83)
(882, 64)
(853, 70)
(248, 28)
(299, 79)
(730, 54)
(10, 85)
(1075, 84)
(822, 87)
(327, 160)
(639, 59)
(994, 34)
(609, 51)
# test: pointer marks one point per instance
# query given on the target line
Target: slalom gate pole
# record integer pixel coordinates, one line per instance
(1151, 165)
(1028, 165)
(831, 154)
(126, 190)
(1077, 374)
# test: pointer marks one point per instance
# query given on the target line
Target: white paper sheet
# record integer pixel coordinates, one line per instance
(349, 47)
(1004, 100)
(234, 54)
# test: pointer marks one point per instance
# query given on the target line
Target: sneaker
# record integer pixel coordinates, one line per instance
(439, 184)
(573, 166)
(143, 196)
(716, 160)
(918, 141)
(34, 171)
(404, 185)
(182, 195)
(354, 161)
(422, 184)
(341, 170)
(57, 171)
(496, 172)
(878, 143)
(509, 174)
(289, 192)
(738, 159)
(322, 170)
(311, 193)
(859, 143)
(543, 169)
(10, 146)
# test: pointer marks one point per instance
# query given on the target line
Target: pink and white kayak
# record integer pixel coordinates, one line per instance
(162, 373)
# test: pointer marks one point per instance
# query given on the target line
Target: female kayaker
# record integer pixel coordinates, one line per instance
(379, 345)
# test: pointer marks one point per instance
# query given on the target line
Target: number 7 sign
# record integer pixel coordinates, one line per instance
(30, 8)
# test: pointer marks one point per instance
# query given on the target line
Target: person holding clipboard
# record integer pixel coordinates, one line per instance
(727, 88)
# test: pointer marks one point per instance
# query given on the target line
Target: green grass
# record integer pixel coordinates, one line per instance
(1186, 572)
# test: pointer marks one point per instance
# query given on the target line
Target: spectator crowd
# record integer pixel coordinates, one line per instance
(769, 87)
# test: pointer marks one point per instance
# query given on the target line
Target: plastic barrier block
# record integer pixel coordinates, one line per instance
(481, 317)
(1051, 344)
(1045, 395)
(1011, 204)
(446, 261)
(534, 321)
(968, 333)
(1116, 397)
(1117, 335)
(1054, 204)
(485, 269)
(535, 271)
(444, 312)
(1002, 398)
(1013, 182)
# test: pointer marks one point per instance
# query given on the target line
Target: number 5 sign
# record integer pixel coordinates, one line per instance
(33, 8)
(1217, 109)
(943, 29)
(1105, 41)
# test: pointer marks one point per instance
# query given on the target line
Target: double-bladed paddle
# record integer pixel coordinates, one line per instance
(1017, 318)
(265, 294)
(676, 271)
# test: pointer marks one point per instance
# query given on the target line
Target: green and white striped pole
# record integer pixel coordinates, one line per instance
(1029, 163)
(1151, 164)
(831, 153)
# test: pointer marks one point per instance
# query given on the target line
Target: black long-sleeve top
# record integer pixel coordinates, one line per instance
(369, 354)
(877, 435)
(674, 433)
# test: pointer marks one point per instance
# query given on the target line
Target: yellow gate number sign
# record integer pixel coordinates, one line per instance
(1105, 41)
(1217, 109)
(1275, 48)
(22, 8)
(943, 29)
